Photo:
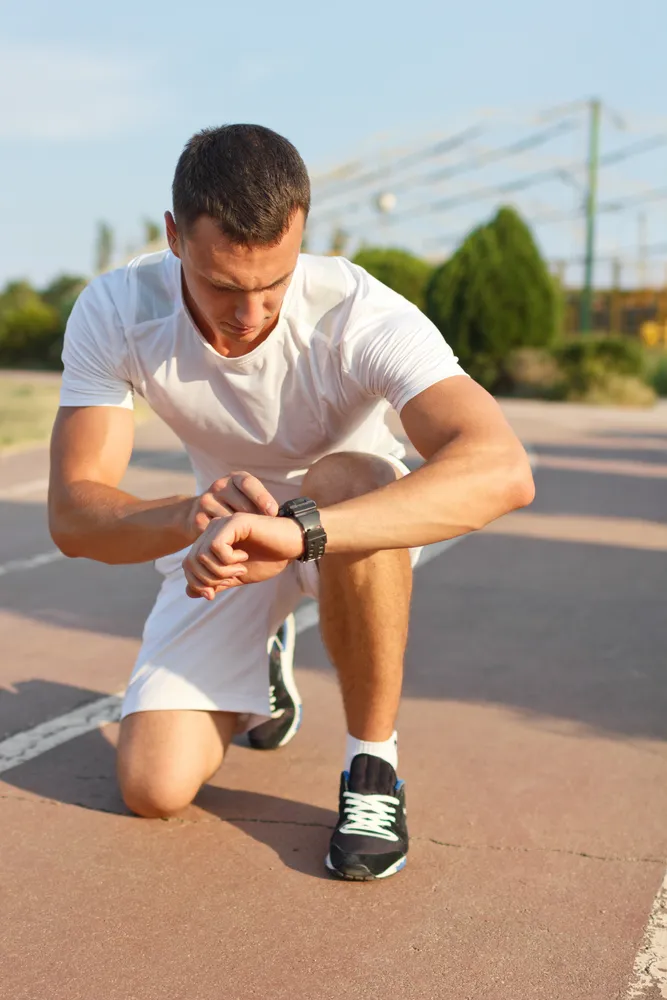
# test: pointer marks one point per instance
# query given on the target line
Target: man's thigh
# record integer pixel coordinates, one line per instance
(307, 573)
(165, 756)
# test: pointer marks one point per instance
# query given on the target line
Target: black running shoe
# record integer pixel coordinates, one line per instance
(284, 696)
(371, 837)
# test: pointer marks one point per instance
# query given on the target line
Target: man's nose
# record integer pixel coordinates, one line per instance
(249, 310)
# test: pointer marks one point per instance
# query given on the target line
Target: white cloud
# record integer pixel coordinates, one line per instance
(57, 92)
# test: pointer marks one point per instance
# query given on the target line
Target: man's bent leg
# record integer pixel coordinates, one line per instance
(364, 602)
(164, 757)
(364, 610)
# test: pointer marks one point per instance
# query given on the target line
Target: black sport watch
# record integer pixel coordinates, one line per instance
(305, 512)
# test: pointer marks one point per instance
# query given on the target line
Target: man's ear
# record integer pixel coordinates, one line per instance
(173, 238)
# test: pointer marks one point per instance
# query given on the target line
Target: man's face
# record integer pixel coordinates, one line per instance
(236, 291)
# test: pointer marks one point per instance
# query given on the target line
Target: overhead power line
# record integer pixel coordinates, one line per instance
(494, 155)
(466, 166)
(659, 194)
(540, 177)
(428, 152)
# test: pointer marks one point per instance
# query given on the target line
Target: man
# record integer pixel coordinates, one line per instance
(281, 365)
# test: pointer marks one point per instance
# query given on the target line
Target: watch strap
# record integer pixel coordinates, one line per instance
(304, 511)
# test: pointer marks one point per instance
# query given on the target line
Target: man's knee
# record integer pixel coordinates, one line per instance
(155, 796)
(345, 475)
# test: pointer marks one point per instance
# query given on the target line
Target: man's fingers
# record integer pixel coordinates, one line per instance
(238, 500)
(215, 506)
(257, 492)
(198, 575)
(208, 593)
(223, 552)
(211, 562)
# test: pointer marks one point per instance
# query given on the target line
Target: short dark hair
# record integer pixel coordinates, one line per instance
(247, 178)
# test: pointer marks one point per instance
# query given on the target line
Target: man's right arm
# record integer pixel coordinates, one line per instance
(88, 515)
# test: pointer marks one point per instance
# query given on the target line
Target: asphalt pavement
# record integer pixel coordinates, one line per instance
(532, 742)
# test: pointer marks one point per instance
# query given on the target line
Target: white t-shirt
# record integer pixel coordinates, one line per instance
(345, 348)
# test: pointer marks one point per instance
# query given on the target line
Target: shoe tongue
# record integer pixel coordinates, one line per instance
(371, 775)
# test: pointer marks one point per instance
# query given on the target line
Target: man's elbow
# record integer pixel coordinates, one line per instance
(519, 485)
(68, 542)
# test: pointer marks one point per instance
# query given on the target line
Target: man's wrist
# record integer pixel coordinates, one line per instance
(294, 533)
(185, 519)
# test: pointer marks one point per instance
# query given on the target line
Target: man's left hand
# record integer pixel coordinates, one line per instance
(243, 548)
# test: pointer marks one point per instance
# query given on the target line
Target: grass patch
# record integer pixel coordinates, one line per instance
(28, 408)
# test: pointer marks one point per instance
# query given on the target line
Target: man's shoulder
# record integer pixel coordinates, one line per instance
(144, 289)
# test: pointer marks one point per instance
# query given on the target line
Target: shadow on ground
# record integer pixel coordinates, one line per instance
(82, 773)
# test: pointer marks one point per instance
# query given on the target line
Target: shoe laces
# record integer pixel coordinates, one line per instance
(370, 814)
(275, 713)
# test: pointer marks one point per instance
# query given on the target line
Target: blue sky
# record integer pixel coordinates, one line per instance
(96, 102)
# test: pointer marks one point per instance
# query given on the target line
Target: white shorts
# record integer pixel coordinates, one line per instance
(212, 655)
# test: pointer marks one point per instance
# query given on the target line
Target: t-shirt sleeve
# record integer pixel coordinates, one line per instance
(394, 351)
(94, 353)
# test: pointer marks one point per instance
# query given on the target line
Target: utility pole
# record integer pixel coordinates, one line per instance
(642, 256)
(591, 204)
(615, 322)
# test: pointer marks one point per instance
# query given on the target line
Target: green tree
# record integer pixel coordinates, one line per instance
(495, 294)
(406, 274)
(104, 242)
(62, 293)
(30, 329)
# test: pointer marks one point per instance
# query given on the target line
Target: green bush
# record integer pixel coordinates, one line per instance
(29, 327)
(658, 374)
(612, 389)
(32, 323)
(406, 274)
(600, 369)
(493, 296)
(587, 361)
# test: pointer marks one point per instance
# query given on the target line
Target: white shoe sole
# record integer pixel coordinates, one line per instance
(396, 867)
(287, 669)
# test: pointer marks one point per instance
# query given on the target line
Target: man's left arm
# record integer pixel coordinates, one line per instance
(476, 470)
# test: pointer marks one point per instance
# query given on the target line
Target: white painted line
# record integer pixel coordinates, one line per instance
(650, 971)
(25, 746)
(25, 489)
(31, 743)
(43, 559)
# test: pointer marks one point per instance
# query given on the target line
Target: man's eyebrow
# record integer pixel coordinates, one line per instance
(235, 288)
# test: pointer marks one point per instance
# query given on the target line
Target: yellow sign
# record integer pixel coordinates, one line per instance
(653, 333)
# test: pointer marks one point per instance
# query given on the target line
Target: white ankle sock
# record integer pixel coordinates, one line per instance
(386, 750)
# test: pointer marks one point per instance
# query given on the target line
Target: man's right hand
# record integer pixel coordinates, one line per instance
(238, 492)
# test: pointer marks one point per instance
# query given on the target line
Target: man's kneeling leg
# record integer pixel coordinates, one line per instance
(164, 757)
